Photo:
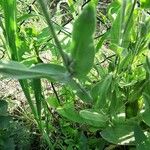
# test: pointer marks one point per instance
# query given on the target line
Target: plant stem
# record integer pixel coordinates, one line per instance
(55, 92)
(57, 42)
(24, 86)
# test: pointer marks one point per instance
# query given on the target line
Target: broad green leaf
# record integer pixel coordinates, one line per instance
(146, 95)
(3, 107)
(137, 90)
(142, 38)
(128, 19)
(94, 118)
(119, 134)
(82, 48)
(147, 65)
(4, 121)
(115, 32)
(86, 97)
(9, 144)
(68, 111)
(145, 3)
(81, 92)
(83, 142)
(131, 109)
(144, 27)
(122, 25)
(95, 92)
(142, 142)
(53, 102)
(146, 117)
(53, 71)
(104, 87)
(17, 70)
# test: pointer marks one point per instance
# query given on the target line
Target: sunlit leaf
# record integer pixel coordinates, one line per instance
(142, 142)
(68, 111)
(145, 3)
(104, 87)
(146, 117)
(93, 118)
(82, 48)
(119, 134)
(9, 8)
(17, 70)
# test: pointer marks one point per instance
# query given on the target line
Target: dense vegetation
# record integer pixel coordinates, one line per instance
(97, 67)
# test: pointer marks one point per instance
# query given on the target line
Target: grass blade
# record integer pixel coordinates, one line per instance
(9, 7)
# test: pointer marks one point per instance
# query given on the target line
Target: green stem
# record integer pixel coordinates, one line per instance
(45, 135)
(57, 42)
(24, 86)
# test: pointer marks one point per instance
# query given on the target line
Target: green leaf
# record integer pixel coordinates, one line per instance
(9, 144)
(114, 102)
(4, 121)
(44, 35)
(119, 134)
(82, 93)
(104, 87)
(146, 117)
(142, 142)
(122, 25)
(126, 62)
(101, 41)
(137, 90)
(17, 70)
(115, 32)
(147, 65)
(145, 3)
(53, 102)
(146, 100)
(83, 142)
(128, 22)
(25, 17)
(68, 111)
(94, 118)
(38, 95)
(9, 8)
(113, 9)
(95, 91)
(82, 48)
(3, 107)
